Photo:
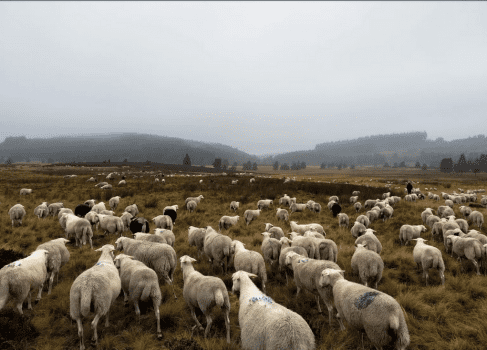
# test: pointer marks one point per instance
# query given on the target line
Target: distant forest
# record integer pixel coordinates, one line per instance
(403, 149)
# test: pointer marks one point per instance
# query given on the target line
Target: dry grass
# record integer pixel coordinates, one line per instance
(438, 318)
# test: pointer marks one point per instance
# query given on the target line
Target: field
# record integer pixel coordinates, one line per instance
(449, 317)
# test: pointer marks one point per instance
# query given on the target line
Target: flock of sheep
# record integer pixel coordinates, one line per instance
(149, 260)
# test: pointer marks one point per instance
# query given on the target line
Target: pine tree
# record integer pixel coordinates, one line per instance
(275, 166)
(187, 160)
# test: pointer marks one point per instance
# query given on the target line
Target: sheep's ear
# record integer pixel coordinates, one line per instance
(99, 249)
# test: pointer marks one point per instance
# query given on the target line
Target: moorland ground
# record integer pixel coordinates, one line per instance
(449, 317)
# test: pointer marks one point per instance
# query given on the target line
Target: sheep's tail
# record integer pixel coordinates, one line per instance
(4, 291)
(85, 302)
(400, 329)
(84, 234)
(275, 252)
(146, 292)
(219, 299)
(373, 269)
(226, 251)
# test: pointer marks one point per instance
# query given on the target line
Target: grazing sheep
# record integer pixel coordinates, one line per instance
(308, 243)
(17, 213)
(436, 198)
(336, 209)
(428, 257)
(81, 210)
(286, 248)
(313, 234)
(132, 209)
(251, 215)
(234, 182)
(228, 221)
(18, 278)
(316, 207)
(91, 179)
(196, 238)
(357, 206)
(334, 199)
(54, 208)
(42, 211)
(477, 218)
(363, 219)
(25, 191)
(373, 215)
(191, 206)
(426, 213)
(234, 205)
(370, 241)
(167, 234)
(99, 286)
(275, 231)
(353, 199)
(64, 211)
(430, 220)
(264, 204)
(343, 220)
(172, 212)
(90, 202)
(469, 248)
(139, 283)
(148, 237)
(368, 265)
(408, 232)
(122, 183)
(271, 248)
(126, 218)
(101, 184)
(449, 203)
(217, 248)
(358, 229)
(204, 292)
(265, 324)
(297, 207)
(444, 211)
(97, 208)
(307, 227)
(369, 203)
(285, 200)
(355, 193)
(248, 260)
(158, 256)
(448, 243)
(163, 221)
(386, 213)
(114, 201)
(282, 214)
(377, 313)
(58, 256)
(107, 187)
(137, 224)
(195, 199)
(437, 230)
(77, 228)
(307, 273)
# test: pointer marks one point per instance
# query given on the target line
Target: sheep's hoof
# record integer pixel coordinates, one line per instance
(159, 336)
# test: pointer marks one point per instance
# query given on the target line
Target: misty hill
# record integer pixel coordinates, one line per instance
(117, 147)
(378, 149)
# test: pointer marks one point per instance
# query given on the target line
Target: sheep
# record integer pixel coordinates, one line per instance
(353, 199)
(90, 202)
(78, 228)
(18, 278)
(167, 234)
(217, 248)
(113, 202)
(396, 199)
(367, 264)
(101, 184)
(291, 201)
(251, 215)
(196, 238)
(122, 183)
(139, 282)
(191, 206)
(285, 200)
(25, 191)
(92, 217)
(107, 187)
(248, 260)
(447, 242)
(477, 235)
(425, 214)
(265, 324)
(58, 256)
(437, 230)
(138, 224)
(444, 211)
(363, 219)
(264, 204)
(469, 248)
(483, 201)
(334, 199)
(307, 273)
(307, 227)
(132, 209)
(227, 221)
(275, 231)
(357, 229)
(369, 309)
(204, 292)
(408, 232)
(369, 203)
(99, 286)
(370, 241)
(91, 179)
(449, 203)
(476, 218)
(373, 215)
(430, 220)
(466, 211)
(163, 221)
(316, 207)
(252, 180)
(336, 209)
(355, 193)
(436, 198)
(428, 257)
(98, 207)
(282, 214)
(148, 237)
(386, 195)
(313, 234)
(308, 243)
(386, 213)
(54, 208)
(286, 248)
(64, 211)
(172, 212)
(326, 248)
(271, 248)
(158, 256)
(17, 213)
(111, 224)
(357, 206)
(234, 182)
(41, 211)
(81, 210)
(234, 205)
(195, 199)
(297, 207)
(343, 220)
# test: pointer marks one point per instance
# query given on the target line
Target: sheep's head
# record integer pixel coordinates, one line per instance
(186, 259)
(269, 226)
(118, 259)
(289, 258)
(119, 243)
(237, 279)
(328, 276)
(419, 240)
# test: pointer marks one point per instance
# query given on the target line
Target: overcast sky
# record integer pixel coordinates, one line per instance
(263, 77)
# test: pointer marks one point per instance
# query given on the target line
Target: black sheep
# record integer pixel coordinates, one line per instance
(409, 187)
(336, 209)
(139, 224)
(171, 213)
(81, 210)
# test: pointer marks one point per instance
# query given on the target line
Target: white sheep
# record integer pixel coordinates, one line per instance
(386, 213)
(358, 229)
(353, 199)
(265, 324)
(111, 224)
(100, 285)
(234, 205)
(149, 237)
(368, 265)
(285, 200)
(370, 241)
(77, 228)
(17, 213)
(163, 221)
(106, 212)
(251, 215)
(363, 219)
(113, 202)
(469, 248)
(122, 183)
(139, 283)
(227, 221)
(25, 191)
(355, 193)
(282, 214)
(191, 206)
(275, 231)
(204, 292)
(234, 182)
(286, 248)
(58, 257)
(409, 232)
(196, 238)
(369, 309)
(297, 207)
(343, 220)
(476, 218)
(42, 211)
(271, 248)
(64, 211)
(264, 204)
(248, 260)
(217, 248)
(306, 227)
(426, 213)
(18, 278)
(90, 202)
(308, 243)
(132, 209)
(98, 207)
(357, 206)
(195, 199)
(428, 257)
(334, 199)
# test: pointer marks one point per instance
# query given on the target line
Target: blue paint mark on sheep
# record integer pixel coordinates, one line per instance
(365, 300)
(303, 260)
(264, 298)
(14, 264)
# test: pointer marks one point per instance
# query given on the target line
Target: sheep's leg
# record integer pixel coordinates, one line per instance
(209, 321)
(125, 298)
(297, 291)
(426, 276)
(442, 276)
(80, 334)
(29, 296)
(342, 327)
(318, 304)
(19, 308)
(91, 243)
(137, 311)
(476, 266)
(51, 281)
(94, 325)
(198, 324)
(156, 304)
(227, 324)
